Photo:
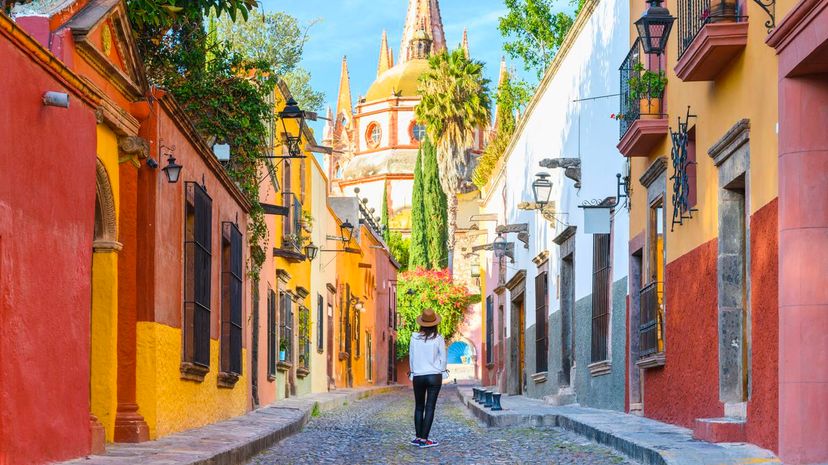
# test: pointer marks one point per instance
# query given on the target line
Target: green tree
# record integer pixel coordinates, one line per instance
(454, 105)
(418, 250)
(436, 209)
(277, 39)
(534, 31)
(386, 226)
(509, 98)
(400, 247)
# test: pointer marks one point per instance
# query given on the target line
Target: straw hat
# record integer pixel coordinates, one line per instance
(428, 318)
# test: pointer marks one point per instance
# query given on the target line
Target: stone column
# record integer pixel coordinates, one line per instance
(801, 42)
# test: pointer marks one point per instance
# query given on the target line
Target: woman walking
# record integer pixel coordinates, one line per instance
(427, 362)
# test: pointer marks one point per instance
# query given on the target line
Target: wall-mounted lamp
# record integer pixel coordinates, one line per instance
(311, 251)
(654, 28)
(347, 231)
(542, 189)
(56, 99)
(173, 169)
(293, 112)
(499, 246)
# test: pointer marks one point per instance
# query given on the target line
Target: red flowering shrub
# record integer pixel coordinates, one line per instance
(433, 289)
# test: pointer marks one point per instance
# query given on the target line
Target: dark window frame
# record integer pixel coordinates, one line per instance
(231, 299)
(272, 339)
(198, 239)
(320, 326)
(286, 324)
(601, 283)
(541, 322)
(489, 330)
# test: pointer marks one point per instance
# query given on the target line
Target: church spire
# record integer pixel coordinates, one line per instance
(422, 12)
(385, 56)
(344, 102)
(466, 42)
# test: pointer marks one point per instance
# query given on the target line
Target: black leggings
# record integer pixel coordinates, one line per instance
(424, 407)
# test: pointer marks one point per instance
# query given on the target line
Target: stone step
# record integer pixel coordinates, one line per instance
(724, 429)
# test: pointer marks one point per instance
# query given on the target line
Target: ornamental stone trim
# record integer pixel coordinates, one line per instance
(733, 140)
(656, 168)
(601, 368)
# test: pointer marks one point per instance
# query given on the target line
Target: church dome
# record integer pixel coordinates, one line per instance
(402, 79)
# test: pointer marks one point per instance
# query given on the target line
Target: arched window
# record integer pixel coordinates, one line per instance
(417, 132)
(373, 135)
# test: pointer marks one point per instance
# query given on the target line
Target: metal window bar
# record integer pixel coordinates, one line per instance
(291, 223)
(357, 335)
(541, 315)
(197, 279)
(693, 15)
(634, 106)
(369, 355)
(650, 321)
(600, 296)
(304, 336)
(320, 326)
(286, 325)
(489, 330)
(231, 299)
(272, 343)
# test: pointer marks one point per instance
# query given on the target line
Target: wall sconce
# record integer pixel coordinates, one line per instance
(347, 231)
(293, 112)
(56, 99)
(311, 251)
(499, 246)
(542, 189)
(654, 28)
(173, 169)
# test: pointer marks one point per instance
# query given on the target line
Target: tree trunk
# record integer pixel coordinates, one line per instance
(452, 229)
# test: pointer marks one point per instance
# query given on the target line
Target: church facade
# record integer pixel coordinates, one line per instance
(375, 142)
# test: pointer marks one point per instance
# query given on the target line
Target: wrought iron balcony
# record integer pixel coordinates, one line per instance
(291, 223)
(641, 116)
(711, 34)
(650, 320)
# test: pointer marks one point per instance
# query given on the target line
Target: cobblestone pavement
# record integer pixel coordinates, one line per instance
(377, 431)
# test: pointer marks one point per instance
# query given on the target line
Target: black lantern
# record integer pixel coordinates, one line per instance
(542, 189)
(654, 28)
(499, 246)
(310, 251)
(293, 112)
(172, 170)
(347, 231)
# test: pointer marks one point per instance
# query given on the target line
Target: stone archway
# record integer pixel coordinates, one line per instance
(463, 371)
(104, 312)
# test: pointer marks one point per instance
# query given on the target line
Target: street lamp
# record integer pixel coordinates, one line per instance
(499, 245)
(347, 231)
(542, 189)
(293, 112)
(654, 27)
(173, 169)
(310, 251)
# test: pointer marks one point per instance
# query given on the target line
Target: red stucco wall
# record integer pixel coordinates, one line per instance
(687, 387)
(762, 414)
(47, 211)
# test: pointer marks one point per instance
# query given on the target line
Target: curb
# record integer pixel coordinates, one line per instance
(233, 441)
(655, 444)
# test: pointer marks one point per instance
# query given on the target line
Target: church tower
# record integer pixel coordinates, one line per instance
(375, 144)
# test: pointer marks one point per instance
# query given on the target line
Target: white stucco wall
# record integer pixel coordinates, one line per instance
(558, 126)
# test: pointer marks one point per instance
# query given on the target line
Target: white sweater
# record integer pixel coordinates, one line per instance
(427, 357)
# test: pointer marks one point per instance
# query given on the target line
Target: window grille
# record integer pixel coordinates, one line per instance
(197, 274)
(231, 299)
(320, 326)
(489, 330)
(272, 340)
(600, 296)
(541, 316)
(286, 325)
(650, 324)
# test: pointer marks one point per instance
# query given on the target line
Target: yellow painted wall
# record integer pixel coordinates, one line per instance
(746, 88)
(170, 404)
(104, 312)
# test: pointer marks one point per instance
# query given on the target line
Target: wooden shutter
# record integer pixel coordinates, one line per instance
(197, 274)
(541, 316)
(231, 298)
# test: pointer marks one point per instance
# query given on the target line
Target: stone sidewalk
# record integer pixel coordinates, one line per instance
(233, 441)
(642, 439)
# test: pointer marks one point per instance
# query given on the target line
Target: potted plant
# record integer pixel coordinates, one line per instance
(648, 87)
(283, 345)
(306, 221)
(720, 11)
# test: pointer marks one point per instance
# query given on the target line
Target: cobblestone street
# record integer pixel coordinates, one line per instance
(377, 431)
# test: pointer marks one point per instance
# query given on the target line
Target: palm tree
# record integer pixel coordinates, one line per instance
(454, 104)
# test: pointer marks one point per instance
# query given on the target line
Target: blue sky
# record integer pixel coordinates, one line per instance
(354, 28)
